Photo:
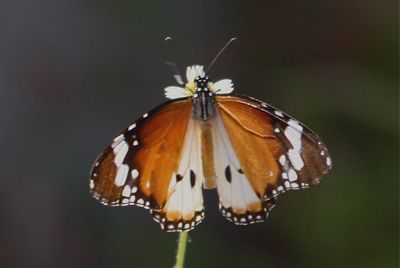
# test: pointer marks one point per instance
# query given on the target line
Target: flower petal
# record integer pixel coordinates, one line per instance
(174, 92)
(193, 71)
(190, 74)
(224, 86)
(199, 70)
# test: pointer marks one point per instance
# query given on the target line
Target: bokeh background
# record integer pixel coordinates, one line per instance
(75, 73)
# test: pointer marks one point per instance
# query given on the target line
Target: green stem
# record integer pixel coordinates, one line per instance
(180, 254)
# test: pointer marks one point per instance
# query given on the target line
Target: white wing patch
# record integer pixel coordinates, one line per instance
(120, 149)
(184, 207)
(293, 133)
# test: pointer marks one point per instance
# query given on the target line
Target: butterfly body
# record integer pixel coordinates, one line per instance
(205, 137)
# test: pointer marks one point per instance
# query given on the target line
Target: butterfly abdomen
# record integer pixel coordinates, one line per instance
(207, 152)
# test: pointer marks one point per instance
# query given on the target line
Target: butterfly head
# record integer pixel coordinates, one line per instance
(197, 82)
(203, 99)
(202, 83)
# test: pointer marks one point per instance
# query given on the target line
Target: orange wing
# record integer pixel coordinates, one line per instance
(274, 152)
(141, 167)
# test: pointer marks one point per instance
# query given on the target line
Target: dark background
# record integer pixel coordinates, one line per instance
(75, 73)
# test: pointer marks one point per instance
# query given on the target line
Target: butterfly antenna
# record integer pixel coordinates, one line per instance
(173, 65)
(170, 40)
(220, 52)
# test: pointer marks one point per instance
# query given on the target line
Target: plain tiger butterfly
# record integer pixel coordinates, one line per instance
(206, 137)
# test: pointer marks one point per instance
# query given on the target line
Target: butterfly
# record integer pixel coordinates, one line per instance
(207, 137)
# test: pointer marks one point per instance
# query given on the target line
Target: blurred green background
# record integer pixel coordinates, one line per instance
(75, 73)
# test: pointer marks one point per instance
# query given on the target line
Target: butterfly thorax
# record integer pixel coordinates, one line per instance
(203, 99)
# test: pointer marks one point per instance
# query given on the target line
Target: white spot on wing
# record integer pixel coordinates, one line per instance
(122, 174)
(295, 159)
(127, 191)
(293, 135)
(134, 173)
(278, 113)
(328, 161)
(132, 126)
(120, 153)
(295, 185)
(295, 124)
(117, 140)
(292, 175)
(282, 160)
(122, 170)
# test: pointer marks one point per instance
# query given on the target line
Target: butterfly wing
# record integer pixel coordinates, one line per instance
(149, 165)
(268, 152)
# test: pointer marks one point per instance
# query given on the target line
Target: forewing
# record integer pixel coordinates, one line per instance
(275, 152)
(139, 166)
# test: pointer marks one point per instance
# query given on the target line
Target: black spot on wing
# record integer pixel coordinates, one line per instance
(228, 174)
(178, 177)
(192, 178)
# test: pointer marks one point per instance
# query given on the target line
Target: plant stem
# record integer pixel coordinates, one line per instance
(180, 254)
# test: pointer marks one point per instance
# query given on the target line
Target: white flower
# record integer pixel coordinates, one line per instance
(224, 86)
